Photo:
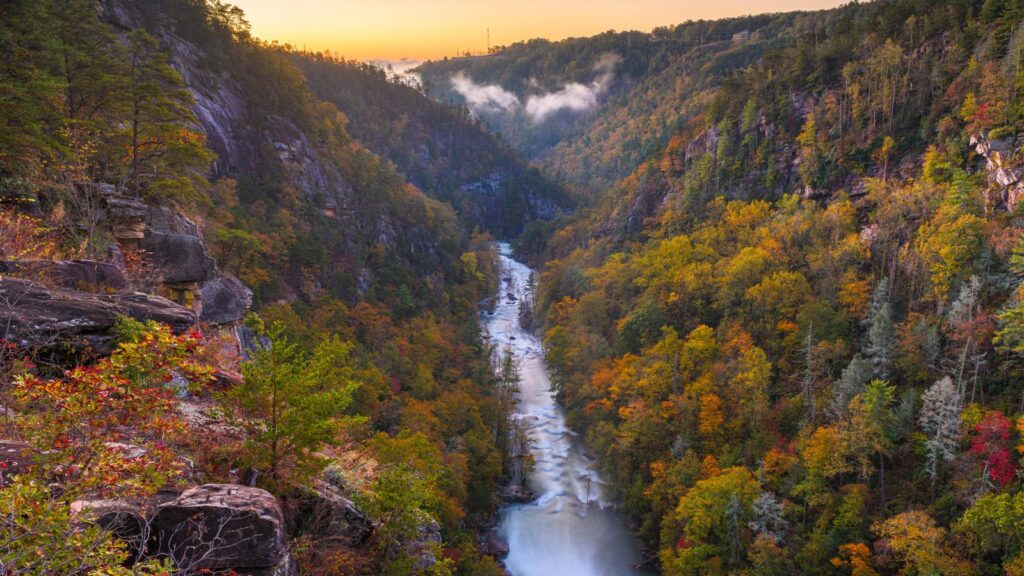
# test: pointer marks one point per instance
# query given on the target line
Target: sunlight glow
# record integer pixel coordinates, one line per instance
(421, 29)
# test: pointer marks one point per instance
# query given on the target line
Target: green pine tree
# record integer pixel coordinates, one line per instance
(291, 404)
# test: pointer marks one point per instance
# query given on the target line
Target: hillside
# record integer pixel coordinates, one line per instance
(656, 83)
(792, 333)
(437, 147)
(161, 173)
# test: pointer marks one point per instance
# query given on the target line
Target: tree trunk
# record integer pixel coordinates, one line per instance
(881, 480)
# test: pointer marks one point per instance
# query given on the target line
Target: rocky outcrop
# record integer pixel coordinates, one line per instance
(324, 510)
(704, 143)
(215, 528)
(1003, 169)
(89, 275)
(126, 218)
(224, 527)
(175, 248)
(34, 315)
(420, 549)
(224, 300)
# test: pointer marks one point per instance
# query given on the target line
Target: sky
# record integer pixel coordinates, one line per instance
(424, 29)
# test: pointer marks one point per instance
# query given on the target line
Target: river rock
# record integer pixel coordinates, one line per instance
(224, 527)
(224, 300)
(493, 545)
(34, 315)
(516, 494)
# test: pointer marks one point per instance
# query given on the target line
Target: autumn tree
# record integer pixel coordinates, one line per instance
(919, 546)
(104, 431)
(712, 513)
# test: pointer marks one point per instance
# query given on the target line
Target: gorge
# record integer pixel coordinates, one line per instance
(571, 528)
(760, 280)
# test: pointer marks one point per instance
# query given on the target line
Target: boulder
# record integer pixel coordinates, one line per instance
(493, 545)
(33, 315)
(175, 248)
(128, 520)
(224, 300)
(516, 494)
(89, 275)
(224, 527)
(324, 510)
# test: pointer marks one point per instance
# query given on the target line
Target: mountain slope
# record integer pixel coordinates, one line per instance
(437, 147)
(792, 333)
(657, 85)
(160, 129)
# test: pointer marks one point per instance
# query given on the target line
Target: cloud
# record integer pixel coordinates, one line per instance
(575, 96)
(402, 69)
(484, 98)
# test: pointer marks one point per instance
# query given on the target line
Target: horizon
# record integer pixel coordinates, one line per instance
(396, 30)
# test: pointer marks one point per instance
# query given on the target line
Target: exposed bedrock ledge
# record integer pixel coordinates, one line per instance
(89, 275)
(34, 315)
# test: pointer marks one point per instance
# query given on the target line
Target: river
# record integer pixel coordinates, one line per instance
(570, 530)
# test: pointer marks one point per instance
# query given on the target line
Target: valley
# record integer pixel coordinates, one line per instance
(736, 296)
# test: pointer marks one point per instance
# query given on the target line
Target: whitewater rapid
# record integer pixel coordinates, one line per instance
(570, 530)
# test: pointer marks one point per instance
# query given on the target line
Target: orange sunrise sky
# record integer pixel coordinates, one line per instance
(421, 29)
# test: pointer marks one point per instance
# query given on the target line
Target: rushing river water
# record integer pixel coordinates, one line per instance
(570, 530)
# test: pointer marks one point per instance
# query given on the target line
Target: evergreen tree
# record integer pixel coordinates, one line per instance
(851, 383)
(291, 404)
(27, 90)
(87, 61)
(881, 334)
(940, 420)
(166, 157)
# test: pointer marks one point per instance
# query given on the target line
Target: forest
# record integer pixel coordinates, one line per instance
(793, 333)
(376, 386)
